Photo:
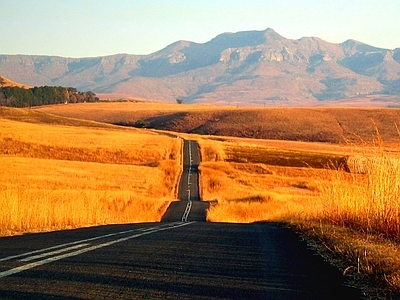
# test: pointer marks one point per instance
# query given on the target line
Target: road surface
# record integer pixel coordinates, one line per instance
(180, 258)
(189, 208)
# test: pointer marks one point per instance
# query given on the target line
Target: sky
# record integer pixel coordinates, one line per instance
(91, 28)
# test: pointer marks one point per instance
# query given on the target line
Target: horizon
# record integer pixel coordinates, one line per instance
(113, 54)
(86, 28)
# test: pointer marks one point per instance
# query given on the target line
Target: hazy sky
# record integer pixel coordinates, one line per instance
(87, 28)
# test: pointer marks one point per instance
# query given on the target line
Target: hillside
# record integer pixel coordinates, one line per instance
(5, 82)
(253, 68)
(330, 125)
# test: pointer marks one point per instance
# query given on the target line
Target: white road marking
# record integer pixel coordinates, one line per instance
(187, 211)
(70, 254)
(67, 244)
(30, 258)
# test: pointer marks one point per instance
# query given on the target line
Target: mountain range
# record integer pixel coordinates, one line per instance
(250, 67)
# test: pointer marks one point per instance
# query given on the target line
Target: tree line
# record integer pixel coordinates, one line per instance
(43, 95)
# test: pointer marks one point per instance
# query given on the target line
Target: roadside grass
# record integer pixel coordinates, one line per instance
(80, 143)
(368, 202)
(57, 176)
(351, 219)
(43, 194)
(253, 191)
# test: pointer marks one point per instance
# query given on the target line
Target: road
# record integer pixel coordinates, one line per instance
(189, 208)
(185, 258)
(181, 260)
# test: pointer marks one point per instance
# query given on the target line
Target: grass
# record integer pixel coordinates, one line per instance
(64, 176)
(55, 194)
(252, 191)
(369, 202)
(329, 125)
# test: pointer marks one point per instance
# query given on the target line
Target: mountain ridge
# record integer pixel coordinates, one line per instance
(247, 67)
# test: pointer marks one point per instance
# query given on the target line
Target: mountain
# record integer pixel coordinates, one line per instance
(253, 67)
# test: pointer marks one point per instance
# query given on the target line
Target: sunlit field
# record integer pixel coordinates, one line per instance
(256, 182)
(57, 176)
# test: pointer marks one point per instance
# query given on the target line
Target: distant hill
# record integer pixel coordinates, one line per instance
(5, 82)
(251, 67)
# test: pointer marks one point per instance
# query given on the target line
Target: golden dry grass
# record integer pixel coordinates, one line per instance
(56, 176)
(248, 192)
(333, 125)
(368, 202)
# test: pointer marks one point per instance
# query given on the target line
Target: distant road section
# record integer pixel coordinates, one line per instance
(189, 185)
(189, 208)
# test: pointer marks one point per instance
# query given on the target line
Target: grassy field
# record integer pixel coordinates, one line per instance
(61, 176)
(330, 125)
(300, 178)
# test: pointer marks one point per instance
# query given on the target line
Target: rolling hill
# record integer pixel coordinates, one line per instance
(344, 126)
(251, 67)
(5, 82)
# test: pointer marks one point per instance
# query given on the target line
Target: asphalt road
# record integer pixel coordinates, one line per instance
(180, 258)
(189, 207)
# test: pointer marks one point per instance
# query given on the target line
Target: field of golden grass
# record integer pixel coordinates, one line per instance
(329, 125)
(61, 176)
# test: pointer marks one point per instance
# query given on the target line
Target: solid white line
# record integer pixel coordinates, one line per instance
(53, 252)
(66, 255)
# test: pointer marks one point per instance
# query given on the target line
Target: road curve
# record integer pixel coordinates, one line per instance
(189, 207)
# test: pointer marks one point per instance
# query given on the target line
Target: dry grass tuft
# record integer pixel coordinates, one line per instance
(368, 202)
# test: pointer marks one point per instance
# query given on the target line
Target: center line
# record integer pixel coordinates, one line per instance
(53, 252)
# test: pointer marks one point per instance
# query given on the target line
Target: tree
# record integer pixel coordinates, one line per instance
(179, 100)
(42, 95)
